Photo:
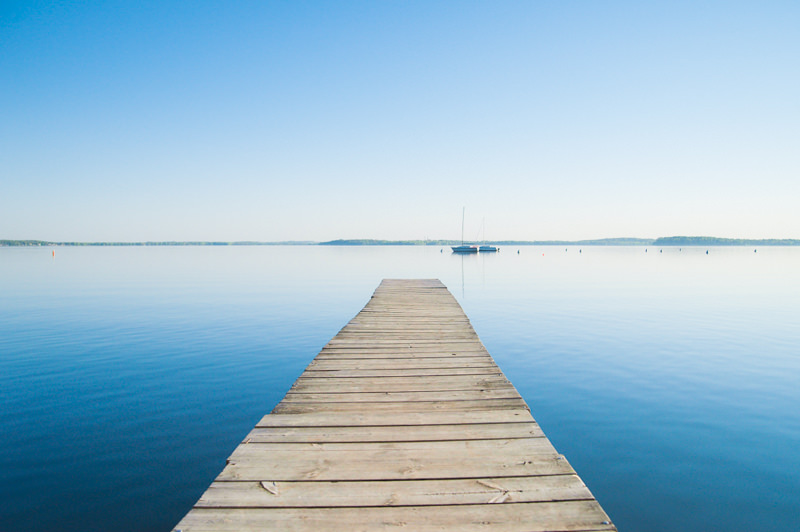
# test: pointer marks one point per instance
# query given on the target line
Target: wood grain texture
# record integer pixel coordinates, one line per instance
(300, 494)
(403, 420)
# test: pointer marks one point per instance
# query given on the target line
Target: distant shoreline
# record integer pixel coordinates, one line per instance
(662, 241)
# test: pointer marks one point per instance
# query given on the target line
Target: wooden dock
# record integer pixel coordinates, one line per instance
(403, 421)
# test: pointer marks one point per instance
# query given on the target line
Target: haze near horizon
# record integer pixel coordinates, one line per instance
(317, 121)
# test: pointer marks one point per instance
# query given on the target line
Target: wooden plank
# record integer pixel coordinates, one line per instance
(421, 372)
(452, 449)
(401, 384)
(454, 334)
(385, 354)
(562, 516)
(282, 466)
(384, 340)
(386, 434)
(418, 332)
(394, 492)
(406, 397)
(287, 407)
(402, 420)
(405, 364)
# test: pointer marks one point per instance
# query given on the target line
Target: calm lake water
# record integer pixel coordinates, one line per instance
(670, 380)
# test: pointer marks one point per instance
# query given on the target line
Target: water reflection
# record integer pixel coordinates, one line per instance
(669, 379)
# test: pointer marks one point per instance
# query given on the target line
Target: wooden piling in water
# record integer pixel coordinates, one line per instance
(403, 420)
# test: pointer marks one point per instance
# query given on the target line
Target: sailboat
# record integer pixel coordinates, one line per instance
(464, 248)
(484, 248)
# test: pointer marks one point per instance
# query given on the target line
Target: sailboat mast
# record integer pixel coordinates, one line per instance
(463, 210)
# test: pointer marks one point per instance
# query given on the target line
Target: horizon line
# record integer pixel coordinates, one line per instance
(630, 241)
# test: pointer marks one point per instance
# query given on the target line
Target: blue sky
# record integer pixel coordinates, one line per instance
(318, 120)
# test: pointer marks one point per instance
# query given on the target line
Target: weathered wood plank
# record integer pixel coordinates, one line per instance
(421, 372)
(390, 466)
(533, 445)
(301, 494)
(386, 434)
(401, 419)
(410, 343)
(507, 392)
(562, 516)
(288, 407)
(405, 364)
(387, 354)
(401, 384)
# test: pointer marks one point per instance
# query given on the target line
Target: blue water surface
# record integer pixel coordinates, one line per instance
(669, 378)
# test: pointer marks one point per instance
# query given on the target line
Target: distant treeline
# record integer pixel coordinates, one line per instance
(714, 241)
(664, 241)
(170, 243)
